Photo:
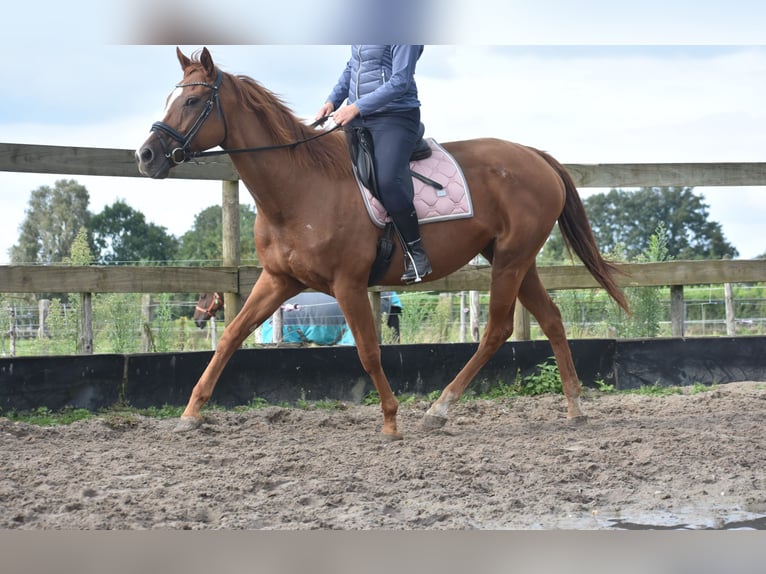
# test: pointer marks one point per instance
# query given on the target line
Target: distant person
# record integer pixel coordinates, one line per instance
(391, 300)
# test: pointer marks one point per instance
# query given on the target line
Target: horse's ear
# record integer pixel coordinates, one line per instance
(182, 59)
(207, 61)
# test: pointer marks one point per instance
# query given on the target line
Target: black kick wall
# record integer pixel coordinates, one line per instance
(289, 374)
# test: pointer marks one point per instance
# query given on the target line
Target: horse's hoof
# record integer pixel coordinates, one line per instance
(392, 436)
(578, 420)
(186, 424)
(432, 422)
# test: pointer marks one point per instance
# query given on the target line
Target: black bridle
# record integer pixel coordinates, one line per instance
(179, 155)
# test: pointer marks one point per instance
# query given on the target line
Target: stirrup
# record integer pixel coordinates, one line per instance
(411, 272)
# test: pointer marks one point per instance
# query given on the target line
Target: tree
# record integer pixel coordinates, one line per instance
(202, 244)
(644, 302)
(623, 221)
(121, 234)
(80, 251)
(54, 217)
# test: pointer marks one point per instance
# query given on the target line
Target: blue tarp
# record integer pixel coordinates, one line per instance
(316, 318)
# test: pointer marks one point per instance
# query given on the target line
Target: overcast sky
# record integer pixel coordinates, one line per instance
(589, 81)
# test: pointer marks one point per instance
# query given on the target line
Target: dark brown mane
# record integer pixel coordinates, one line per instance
(328, 153)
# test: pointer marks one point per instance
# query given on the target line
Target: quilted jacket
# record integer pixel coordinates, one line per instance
(379, 78)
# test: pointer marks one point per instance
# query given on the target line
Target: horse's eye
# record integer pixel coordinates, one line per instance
(191, 100)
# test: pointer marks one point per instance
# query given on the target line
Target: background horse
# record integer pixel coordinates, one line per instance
(208, 305)
(309, 317)
(313, 231)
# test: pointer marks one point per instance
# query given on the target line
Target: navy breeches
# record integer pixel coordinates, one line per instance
(394, 135)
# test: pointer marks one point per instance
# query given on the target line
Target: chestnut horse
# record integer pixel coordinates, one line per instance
(313, 230)
(208, 304)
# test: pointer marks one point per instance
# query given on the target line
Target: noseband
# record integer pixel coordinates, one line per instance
(215, 304)
(180, 154)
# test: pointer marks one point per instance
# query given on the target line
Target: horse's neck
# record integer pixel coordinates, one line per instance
(277, 184)
(262, 179)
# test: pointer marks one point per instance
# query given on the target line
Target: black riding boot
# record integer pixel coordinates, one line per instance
(416, 263)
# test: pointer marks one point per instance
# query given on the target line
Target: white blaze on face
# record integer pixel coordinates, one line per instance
(172, 98)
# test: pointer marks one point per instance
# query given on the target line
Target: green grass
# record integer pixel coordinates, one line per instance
(655, 390)
(545, 381)
(603, 386)
(163, 412)
(43, 416)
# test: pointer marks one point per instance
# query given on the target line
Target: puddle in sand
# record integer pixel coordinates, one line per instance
(757, 523)
(687, 519)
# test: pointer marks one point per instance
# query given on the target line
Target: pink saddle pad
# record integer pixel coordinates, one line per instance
(431, 204)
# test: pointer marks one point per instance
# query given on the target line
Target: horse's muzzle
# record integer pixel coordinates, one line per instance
(152, 164)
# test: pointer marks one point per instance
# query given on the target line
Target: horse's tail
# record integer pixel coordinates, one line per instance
(578, 236)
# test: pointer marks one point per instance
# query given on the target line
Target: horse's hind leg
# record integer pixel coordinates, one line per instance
(267, 295)
(505, 286)
(535, 298)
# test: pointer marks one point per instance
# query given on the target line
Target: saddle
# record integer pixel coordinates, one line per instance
(362, 152)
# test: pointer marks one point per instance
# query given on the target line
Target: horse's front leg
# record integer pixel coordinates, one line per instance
(358, 313)
(267, 295)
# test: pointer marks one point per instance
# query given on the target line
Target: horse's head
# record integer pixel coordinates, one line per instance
(188, 125)
(208, 305)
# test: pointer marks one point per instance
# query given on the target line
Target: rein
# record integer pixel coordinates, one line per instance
(320, 121)
(179, 155)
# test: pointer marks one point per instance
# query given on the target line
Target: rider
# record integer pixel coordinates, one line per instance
(379, 84)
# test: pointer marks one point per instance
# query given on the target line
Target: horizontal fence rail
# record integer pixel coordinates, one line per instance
(116, 279)
(130, 279)
(122, 163)
(65, 160)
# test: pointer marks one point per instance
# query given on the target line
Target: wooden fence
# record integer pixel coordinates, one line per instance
(114, 279)
(235, 279)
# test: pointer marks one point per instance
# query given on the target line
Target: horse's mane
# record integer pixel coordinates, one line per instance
(328, 153)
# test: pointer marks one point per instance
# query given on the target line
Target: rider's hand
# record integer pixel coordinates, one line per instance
(345, 114)
(324, 111)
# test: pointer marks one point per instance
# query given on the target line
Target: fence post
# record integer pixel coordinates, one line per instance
(463, 311)
(230, 246)
(276, 326)
(147, 342)
(731, 320)
(182, 334)
(12, 330)
(521, 325)
(677, 310)
(213, 333)
(475, 307)
(43, 308)
(85, 339)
